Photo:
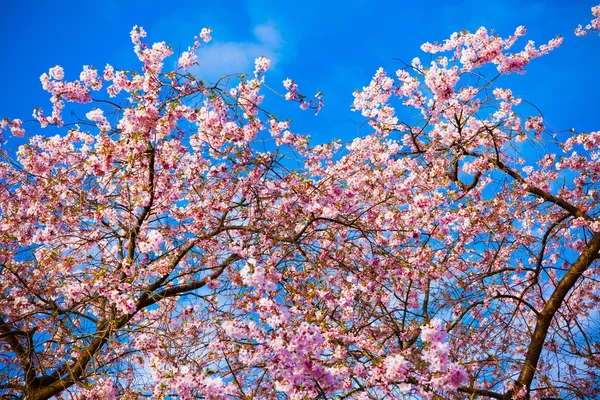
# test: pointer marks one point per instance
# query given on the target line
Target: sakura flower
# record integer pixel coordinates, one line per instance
(98, 115)
(109, 73)
(152, 242)
(261, 64)
(593, 26)
(16, 127)
(396, 367)
(187, 59)
(57, 73)
(205, 35)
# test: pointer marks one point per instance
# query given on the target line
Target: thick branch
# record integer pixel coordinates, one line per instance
(481, 392)
(23, 354)
(573, 210)
(146, 210)
(555, 301)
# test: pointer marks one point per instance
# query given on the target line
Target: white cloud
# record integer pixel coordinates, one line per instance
(268, 35)
(217, 59)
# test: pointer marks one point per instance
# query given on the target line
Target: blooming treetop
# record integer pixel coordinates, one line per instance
(593, 26)
(154, 250)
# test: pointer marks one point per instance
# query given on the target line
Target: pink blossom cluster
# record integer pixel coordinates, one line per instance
(185, 382)
(254, 275)
(593, 26)
(61, 91)
(261, 65)
(103, 389)
(205, 35)
(181, 242)
(97, 115)
(292, 94)
(152, 242)
(15, 126)
(479, 48)
(189, 57)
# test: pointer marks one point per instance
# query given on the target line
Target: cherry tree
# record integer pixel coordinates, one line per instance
(182, 242)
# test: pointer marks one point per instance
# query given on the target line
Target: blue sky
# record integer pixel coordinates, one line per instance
(334, 46)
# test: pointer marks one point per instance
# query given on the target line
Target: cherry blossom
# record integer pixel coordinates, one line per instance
(179, 241)
(593, 26)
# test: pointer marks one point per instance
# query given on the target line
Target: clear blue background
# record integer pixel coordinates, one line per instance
(335, 46)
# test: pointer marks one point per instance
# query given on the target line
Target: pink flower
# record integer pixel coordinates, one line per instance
(153, 241)
(437, 355)
(187, 59)
(456, 376)
(137, 33)
(396, 367)
(593, 26)
(98, 115)
(261, 64)
(433, 332)
(16, 127)
(535, 124)
(109, 73)
(205, 35)
(212, 283)
(57, 73)
(95, 115)
(89, 75)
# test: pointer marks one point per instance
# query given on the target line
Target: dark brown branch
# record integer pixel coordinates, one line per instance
(555, 301)
(481, 392)
(519, 300)
(454, 177)
(135, 231)
(574, 211)
(23, 354)
(181, 289)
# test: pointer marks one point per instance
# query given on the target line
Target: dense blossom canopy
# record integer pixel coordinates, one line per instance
(182, 242)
